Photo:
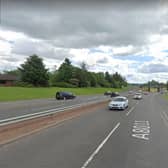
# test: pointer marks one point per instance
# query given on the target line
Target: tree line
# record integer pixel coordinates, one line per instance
(155, 84)
(33, 73)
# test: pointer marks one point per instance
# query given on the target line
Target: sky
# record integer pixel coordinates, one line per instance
(129, 36)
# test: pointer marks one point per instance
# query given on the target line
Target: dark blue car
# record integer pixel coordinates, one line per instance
(64, 95)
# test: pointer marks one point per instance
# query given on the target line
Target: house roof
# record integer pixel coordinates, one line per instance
(8, 77)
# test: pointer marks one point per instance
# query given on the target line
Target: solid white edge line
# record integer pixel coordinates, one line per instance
(43, 113)
(130, 111)
(100, 146)
(163, 118)
(166, 116)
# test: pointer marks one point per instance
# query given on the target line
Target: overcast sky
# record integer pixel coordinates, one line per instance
(130, 38)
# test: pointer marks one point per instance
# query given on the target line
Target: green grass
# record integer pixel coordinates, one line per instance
(166, 96)
(21, 93)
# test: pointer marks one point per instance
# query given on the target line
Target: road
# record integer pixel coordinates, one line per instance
(18, 108)
(134, 138)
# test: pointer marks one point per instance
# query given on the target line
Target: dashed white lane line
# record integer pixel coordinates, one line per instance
(137, 102)
(130, 111)
(100, 146)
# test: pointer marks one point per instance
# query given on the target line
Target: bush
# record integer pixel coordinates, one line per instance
(64, 85)
(23, 84)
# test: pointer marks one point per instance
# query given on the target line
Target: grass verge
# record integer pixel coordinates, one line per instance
(166, 96)
(21, 93)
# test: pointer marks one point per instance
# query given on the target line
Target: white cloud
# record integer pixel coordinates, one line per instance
(92, 36)
(123, 50)
(154, 68)
(11, 35)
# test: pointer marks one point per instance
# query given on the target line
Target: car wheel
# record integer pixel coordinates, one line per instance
(57, 96)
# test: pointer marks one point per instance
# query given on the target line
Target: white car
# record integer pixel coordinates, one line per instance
(130, 92)
(138, 96)
(119, 103)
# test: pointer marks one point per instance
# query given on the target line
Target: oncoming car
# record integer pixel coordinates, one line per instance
(114, 94)
(119, 103)
(138, 96)
(64, 95)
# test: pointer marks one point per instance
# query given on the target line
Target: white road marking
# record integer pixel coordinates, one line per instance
(130, 111)
(141, 130)
(100, 146)
(165, 118)
(141, 136)
(137, 102)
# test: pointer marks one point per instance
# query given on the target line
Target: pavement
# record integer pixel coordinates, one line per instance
(134, 138)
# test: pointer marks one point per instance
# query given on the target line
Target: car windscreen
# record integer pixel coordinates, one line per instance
(119, 99)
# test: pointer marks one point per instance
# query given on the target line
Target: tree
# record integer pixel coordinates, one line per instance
(167, 85)
(92, 79)
(118, 81)
(65, 71)
(101, 81)
(81, 75)
(15, 72)
(83, 66)
(33, 71)
(108, 77)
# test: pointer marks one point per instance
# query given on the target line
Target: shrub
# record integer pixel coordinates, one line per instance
(64, 85)
(23, 84)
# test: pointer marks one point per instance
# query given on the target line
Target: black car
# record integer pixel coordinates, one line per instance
(114, 94)
(64, 95)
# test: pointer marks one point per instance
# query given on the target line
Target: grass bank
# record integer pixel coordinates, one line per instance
(21, 93)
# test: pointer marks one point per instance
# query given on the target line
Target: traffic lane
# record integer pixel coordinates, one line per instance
(14, 109)
(62, 146)
(139, 142)
(18, 108)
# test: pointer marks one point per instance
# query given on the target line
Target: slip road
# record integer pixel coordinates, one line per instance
(134, 138)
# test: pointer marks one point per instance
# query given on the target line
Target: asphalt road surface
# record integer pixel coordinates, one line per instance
(18, 108)
(134, 138)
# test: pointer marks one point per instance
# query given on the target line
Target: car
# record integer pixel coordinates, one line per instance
(114, 94)
(130, 92)
(119, 102)
(161, 92)
(107, 93)
(138, 96)
(64, 95)
(145, 93)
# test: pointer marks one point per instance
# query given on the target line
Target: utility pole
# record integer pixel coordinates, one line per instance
(149, 86)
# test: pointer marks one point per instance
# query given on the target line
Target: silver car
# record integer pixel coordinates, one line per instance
(119, 103)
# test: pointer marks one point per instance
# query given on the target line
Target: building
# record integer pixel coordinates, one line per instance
(7, 79)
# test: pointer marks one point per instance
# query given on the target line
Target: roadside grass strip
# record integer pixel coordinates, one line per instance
(21, 93)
